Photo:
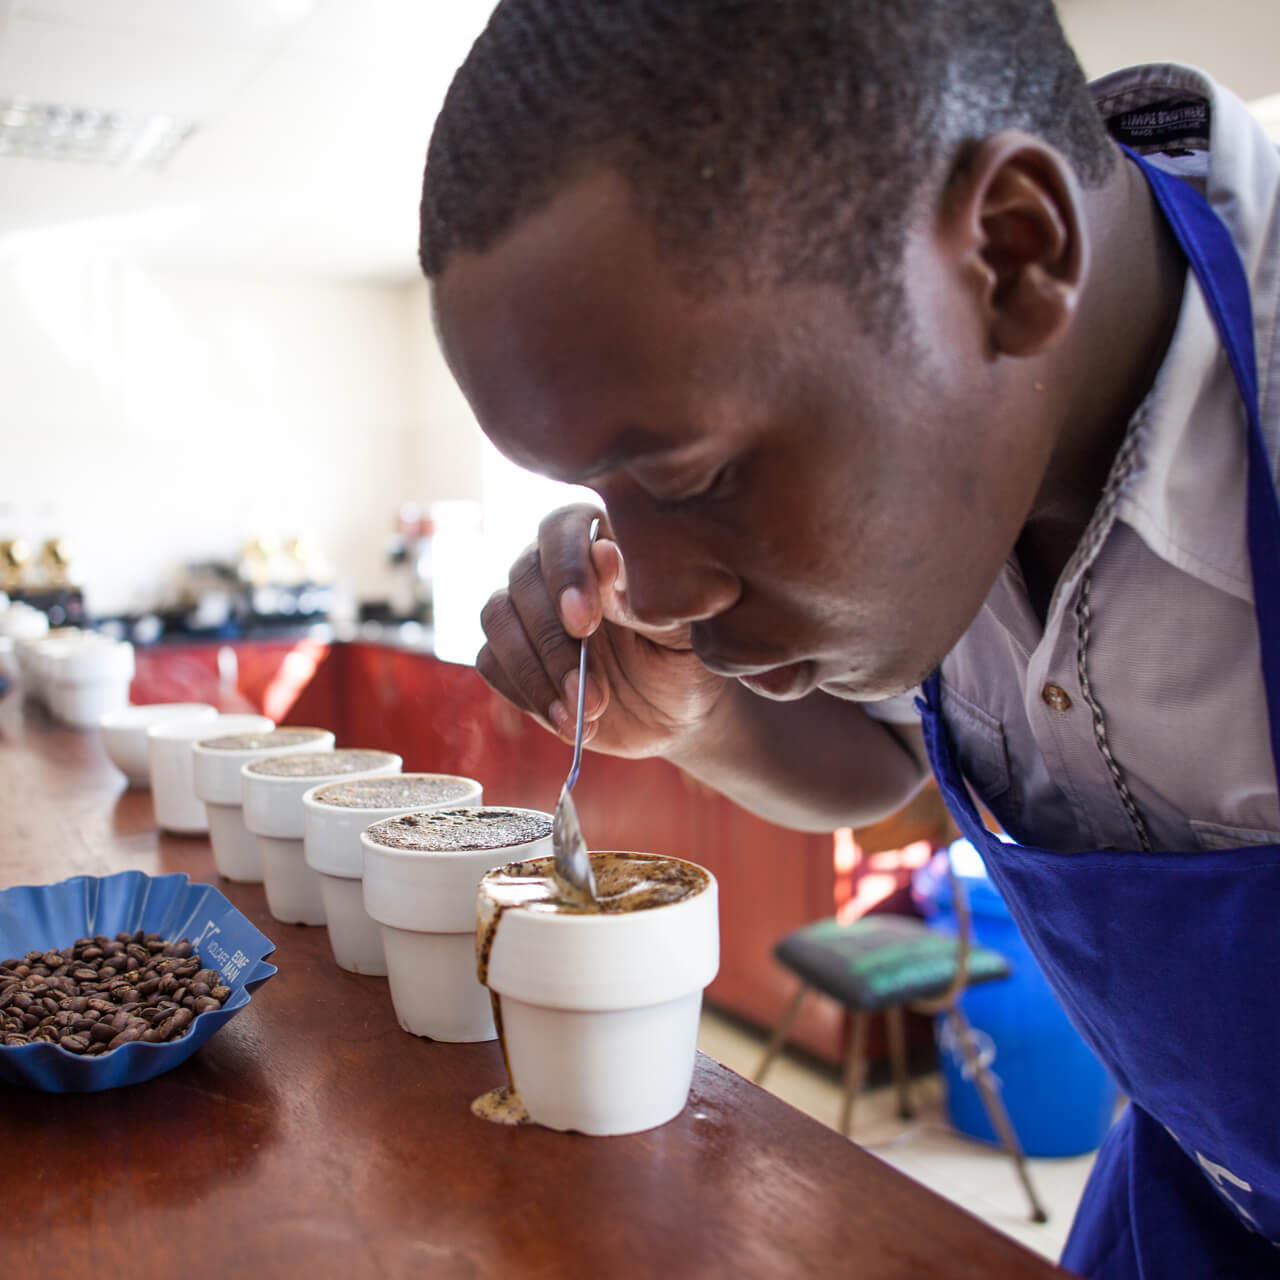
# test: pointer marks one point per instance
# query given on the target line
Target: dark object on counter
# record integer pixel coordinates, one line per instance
(64, 606)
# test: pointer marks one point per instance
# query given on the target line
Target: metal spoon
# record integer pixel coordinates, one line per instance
(572, 863)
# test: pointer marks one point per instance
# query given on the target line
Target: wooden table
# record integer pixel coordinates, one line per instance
(311, 1137)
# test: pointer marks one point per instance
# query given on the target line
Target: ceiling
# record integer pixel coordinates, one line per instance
(312, 120)
(312, 116)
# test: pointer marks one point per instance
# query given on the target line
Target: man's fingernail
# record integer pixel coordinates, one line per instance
(560, 717)
(575, 611)
(570, 686)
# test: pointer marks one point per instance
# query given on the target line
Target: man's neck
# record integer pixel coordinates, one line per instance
(1126, 320)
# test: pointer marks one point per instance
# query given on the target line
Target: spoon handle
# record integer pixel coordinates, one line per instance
(582, 691)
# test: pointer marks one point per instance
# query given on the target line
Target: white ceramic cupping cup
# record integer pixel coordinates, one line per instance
(124, 734)
(273, 812)
(85, 675)
(218, 783)
(331, 844)
(425, 902)
(600, 1011)
(169, 749)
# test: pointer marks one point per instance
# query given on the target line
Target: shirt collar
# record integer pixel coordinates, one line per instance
(1185, 490)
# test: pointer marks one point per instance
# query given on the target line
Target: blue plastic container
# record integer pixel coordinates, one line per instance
(1059, 1096)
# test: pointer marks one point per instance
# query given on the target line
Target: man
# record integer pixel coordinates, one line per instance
(887, 365)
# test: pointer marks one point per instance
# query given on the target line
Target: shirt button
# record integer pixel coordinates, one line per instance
(1056, 697)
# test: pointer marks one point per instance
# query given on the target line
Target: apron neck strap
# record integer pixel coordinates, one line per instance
(1217, 268)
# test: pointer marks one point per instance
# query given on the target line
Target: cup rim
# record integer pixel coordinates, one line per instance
(316, 779)
(122, 717)
(391, 811)
(377, 847)
(188, 731)
(607, 919)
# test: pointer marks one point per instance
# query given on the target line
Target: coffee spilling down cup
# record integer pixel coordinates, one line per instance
(273, 788)
(217, 761)
(421, 872)
(598, 1007)
(334, 816)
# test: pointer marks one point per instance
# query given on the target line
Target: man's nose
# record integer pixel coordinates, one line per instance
(672, 577)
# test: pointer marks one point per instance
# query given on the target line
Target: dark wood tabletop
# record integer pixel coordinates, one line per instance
(311, 1137)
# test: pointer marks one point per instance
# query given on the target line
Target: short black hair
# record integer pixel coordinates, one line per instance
(767, 140)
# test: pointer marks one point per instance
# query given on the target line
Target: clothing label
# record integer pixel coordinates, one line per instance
(1171, 124)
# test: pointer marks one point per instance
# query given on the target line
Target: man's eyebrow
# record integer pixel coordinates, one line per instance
(629, 443)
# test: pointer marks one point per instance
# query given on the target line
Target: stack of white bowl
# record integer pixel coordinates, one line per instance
(84, 676)
(78, 675)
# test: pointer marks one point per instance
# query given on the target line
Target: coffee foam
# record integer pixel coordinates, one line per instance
(321, 764)
(461, 830)
(394, 791)
(290, 737)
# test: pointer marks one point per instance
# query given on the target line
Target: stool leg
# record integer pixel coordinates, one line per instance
(994, 1106)
(780, 1033)
(854, 1069)
(895, 1025)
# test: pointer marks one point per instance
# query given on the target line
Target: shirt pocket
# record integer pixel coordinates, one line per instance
(1213, 836)
(981, 749)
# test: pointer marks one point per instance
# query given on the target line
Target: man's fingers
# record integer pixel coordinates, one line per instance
(565, 560)
(515, 666)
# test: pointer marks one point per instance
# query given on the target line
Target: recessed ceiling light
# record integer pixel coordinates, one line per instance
(50, 131)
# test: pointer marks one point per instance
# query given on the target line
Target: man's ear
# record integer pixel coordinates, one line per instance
(1013, 214)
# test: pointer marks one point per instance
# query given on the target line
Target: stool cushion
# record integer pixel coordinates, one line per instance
(879, 961)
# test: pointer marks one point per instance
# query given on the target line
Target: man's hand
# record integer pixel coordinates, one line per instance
(646, 691)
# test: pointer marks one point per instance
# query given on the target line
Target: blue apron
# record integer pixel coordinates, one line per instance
(1167, 962)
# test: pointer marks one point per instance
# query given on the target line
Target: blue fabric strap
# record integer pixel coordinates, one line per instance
(1220, 274)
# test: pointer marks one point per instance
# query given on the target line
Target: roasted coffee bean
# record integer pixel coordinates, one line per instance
(100, 992)
(15, 1038)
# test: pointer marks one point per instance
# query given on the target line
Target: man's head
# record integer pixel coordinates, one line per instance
(778, 280)
(768, 141)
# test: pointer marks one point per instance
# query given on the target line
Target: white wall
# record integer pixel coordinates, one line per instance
(156, 416)
(1235, 41)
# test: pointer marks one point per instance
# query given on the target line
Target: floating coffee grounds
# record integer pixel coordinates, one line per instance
(291, 737)
(461, 830)
(320, 764)
(101, 993)
(394, 791)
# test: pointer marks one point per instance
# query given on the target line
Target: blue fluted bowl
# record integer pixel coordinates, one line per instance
(40, 917)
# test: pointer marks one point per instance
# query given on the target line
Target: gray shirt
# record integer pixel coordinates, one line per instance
(1136, 715)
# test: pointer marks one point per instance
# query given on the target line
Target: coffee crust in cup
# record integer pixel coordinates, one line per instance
(320, 764)
(461, 830)
(290, 737)
(393, 791)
